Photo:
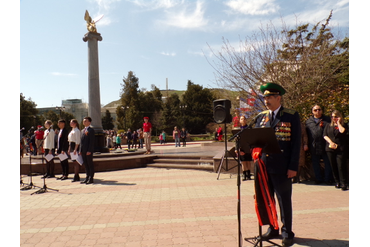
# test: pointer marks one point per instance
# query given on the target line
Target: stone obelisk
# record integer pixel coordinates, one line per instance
(94, 111)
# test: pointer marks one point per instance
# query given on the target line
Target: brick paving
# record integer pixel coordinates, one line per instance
(169, 207)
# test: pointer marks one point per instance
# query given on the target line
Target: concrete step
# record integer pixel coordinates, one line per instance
(181, 166)
(183, 157)
(185, 161)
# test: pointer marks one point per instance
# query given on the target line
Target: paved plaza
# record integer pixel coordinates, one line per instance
(170, 207)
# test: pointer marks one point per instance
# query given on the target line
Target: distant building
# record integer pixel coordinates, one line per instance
(76, 107)
(73, 106)
(112, 110)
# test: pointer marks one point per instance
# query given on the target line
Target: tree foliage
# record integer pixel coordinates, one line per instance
(136, 104)
(197, 108)
(311, 63)
(28, 114)
(107, 121)
(193, 112)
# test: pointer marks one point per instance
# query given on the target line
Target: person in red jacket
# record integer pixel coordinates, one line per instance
(219, 133)
(39, 136)
(147, 129)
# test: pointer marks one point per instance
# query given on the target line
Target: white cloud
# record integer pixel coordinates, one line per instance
(253, 7)
(170, 54)
(156, 4)
(104, 7)
(185, 18)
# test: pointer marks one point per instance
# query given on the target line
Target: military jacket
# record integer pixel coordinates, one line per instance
(288, 134)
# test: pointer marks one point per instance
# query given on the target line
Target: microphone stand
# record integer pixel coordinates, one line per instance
(31, 184)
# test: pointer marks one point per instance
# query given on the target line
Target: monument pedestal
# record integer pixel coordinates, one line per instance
(94, 90)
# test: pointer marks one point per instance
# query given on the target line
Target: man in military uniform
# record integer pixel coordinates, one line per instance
(282, 167)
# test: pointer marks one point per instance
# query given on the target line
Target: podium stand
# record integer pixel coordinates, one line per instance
(264, 140)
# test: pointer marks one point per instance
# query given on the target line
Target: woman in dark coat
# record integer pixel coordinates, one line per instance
(336, 147)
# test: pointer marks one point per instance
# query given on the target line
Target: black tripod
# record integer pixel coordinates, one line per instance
(30, 185)
(226, 154)
(44, 188)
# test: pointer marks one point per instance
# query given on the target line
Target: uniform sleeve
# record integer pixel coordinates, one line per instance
(295, 142)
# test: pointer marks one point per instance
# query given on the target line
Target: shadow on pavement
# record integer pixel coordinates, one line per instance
(110, 182)
(320, 243)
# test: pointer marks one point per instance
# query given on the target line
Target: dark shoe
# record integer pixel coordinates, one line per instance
(244, 175)
(76, 179)
(45, 176)
(64, 178)
(85, 181)
(60, 177)
(337, 185)
(344, 188)
(90, 181)
(271, 233)
(50, 176)
(287, 242)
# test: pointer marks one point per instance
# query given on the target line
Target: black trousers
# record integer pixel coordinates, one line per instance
(89, 165)
(65, 167)
(49, 164)
(338, 166)
(281, 186)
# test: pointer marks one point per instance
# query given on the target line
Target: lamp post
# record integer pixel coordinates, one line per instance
(60, 108)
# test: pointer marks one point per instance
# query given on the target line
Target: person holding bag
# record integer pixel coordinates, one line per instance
(335, 136)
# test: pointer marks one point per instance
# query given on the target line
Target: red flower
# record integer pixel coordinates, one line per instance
(321, 123)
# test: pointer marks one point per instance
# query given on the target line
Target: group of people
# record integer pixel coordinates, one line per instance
(325, 137)
(62, 142)
(134, 139)
(179, 135)
(328, 140)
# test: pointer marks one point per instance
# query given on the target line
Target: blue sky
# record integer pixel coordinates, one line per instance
(154, 39)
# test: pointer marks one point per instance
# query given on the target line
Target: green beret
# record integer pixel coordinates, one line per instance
(272, 89)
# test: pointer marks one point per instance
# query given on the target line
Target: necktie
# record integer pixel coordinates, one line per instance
(272, 117)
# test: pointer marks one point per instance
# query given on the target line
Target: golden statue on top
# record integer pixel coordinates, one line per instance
(90, 23)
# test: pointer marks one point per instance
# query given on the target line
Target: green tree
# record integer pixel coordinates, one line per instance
(171, 113)
(28, 114)
(313, 66)
(107, 121)
(53, 117)
(197, 110)
(128, 114)
(310, 62)
(136, 104)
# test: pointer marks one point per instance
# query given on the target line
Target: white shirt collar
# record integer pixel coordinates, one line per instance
(276, 111)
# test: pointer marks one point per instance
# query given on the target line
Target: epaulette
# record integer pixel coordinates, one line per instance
(289, 111)
(264, 112)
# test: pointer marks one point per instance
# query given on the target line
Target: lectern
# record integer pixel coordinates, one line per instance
(258, 141)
